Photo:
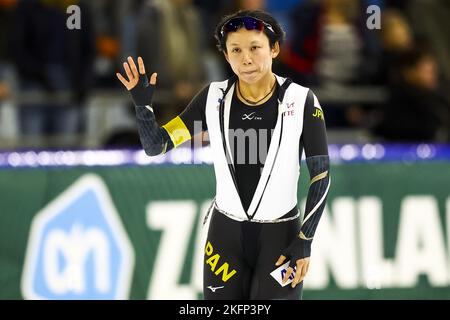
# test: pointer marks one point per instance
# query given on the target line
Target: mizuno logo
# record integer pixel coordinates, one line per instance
(213, 289)
(250, 116)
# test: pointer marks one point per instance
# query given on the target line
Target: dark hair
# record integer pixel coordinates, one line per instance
(278, 36)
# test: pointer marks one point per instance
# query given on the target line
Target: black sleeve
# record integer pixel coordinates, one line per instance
(194, 115)
(314, 135)
(314, 140)
(155, 139)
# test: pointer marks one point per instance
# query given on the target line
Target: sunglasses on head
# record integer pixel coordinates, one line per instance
(249, 23)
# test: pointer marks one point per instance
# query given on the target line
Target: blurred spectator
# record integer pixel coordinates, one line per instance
(433, 26)
(211, 12)
(396, 38)
(281, 10)
(51, 61)
(129, 15)
(4, 90)
(330, 45)
(7, 8)
(216, 67)
(169, 40)
(417, 111)
(251, 4)
(396, 33)
(110, 17)
(286, 5)
(6, 17)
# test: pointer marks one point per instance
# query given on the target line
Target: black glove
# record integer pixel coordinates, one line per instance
(142, 93)
(298, 249)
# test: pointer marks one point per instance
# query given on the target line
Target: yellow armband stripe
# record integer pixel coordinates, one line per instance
(177, 131)
(302, 236)
(319, 177)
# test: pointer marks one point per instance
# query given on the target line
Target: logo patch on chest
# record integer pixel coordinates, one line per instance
(289, 109)
(251, 116)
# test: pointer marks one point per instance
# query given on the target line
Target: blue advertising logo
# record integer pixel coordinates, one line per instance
(78, 248)
(292, 276)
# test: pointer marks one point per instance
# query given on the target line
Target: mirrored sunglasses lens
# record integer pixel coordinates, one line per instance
(232, 25)
(249, 23)
(252, 24)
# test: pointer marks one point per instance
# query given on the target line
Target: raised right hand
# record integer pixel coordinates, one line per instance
(133, 74)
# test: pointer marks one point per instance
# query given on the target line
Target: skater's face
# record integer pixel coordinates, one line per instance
(249, 54)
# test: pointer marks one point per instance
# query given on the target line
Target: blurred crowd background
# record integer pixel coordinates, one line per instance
(58, 87)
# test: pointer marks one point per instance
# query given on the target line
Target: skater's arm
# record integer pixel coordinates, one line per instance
(155, 139)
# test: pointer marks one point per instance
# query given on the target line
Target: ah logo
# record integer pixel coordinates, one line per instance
(78, 248)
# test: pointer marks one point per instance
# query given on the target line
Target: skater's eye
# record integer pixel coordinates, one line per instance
(236, 50)
(255, 47)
